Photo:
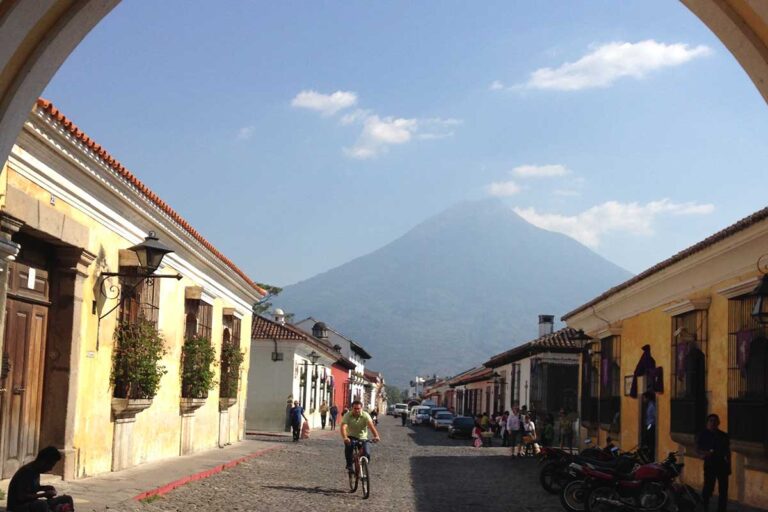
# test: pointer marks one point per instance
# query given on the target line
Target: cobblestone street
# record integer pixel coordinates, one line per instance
(413, 469)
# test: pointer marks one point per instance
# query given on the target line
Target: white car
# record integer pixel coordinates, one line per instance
(399, 409)
(434, 412)
(442, 420)
(420, 414)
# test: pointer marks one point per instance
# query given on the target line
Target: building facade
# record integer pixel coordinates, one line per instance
(542, 374)
(70, 214)
(288, 365)
(684, 330)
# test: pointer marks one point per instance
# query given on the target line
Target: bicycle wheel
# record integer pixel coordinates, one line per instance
(365, 478)
(353, 479)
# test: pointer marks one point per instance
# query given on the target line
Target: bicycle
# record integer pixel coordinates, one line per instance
(360, 465)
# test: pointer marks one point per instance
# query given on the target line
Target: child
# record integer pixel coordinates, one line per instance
(477, 435)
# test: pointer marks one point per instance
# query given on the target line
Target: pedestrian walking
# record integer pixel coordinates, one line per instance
(297, 413)
(715, 446)
(648, 439)
(403, 417)
(515, 431)
(323, 414)
(503, 427)
(334, 414)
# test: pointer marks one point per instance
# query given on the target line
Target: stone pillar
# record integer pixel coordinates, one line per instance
(187, 408)
(64, 354)
(124, 411)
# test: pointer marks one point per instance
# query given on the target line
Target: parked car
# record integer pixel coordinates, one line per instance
(442, 420)
(433, 413)
(390, 410)
(399, 409)
(461, 426)
(420, 415)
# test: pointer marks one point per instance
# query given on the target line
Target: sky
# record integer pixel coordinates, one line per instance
(296, 136)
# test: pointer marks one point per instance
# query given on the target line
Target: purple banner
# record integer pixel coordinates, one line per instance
(743, 344)
(605, 372)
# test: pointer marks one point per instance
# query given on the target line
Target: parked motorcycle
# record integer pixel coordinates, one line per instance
(574, 491)
(649, 488)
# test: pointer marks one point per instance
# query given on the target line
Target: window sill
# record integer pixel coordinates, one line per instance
(755, 456)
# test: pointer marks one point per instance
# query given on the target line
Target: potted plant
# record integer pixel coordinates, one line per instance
(197, 360)
(136, 368)
(231, 359)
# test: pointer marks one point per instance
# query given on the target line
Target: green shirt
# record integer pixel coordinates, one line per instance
(357, 426)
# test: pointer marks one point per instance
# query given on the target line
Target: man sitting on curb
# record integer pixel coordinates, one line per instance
(25, 494)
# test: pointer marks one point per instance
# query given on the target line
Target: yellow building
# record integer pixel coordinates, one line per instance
(691, 313)
(69, 212)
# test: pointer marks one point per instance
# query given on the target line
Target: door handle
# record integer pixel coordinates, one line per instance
(17, 390)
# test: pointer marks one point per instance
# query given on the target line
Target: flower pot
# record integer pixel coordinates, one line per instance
(226, 403)
(129, 407)
(190, 405)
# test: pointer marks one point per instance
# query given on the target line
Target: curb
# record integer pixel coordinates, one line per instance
(165, 489)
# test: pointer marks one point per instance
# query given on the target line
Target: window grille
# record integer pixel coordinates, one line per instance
(140, 297)
(747, 380)
(199, 316)
(610, 382)
(688, 407)
(590, 385)
(514, 383)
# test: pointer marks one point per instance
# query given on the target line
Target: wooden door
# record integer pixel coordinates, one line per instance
(26, 329)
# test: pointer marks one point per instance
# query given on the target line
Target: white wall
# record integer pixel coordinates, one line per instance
(269, 385)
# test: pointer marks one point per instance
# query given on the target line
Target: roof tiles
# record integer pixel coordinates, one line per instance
(113, 163)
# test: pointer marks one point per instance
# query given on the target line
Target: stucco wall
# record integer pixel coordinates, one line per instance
(157, 430)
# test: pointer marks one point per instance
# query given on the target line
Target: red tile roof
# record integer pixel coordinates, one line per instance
(475, 375)
(112, 162)
(563, 340)
(721, 235)
(266, 329)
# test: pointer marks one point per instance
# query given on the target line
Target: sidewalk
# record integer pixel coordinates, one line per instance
(108, 489)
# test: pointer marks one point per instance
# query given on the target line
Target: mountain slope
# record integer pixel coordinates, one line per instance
(459, 287)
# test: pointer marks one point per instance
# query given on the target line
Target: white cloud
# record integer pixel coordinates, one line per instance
(496, 86)
(540, 171)
(503, 188)
(590, 225)
(327, 104)
(607, 63)
(355, 116)
(246, 132)
(381, 132)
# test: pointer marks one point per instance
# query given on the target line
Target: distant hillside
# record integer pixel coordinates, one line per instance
(457, 288)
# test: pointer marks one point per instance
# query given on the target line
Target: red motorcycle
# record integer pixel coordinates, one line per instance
(650, 488)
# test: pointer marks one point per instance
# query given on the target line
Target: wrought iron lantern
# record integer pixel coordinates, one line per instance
(150, 253)
(581, 339)
(314, 357)
(760, 309)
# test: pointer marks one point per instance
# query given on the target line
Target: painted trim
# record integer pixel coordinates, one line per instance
(687, 306)
(739, 289)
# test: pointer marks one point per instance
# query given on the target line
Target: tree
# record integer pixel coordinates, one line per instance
(264, 304)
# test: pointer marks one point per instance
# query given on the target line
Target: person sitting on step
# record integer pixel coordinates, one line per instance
(25, 494)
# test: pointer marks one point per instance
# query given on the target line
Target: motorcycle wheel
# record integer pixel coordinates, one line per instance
(550, 478)
(592, 499)
(572, 497)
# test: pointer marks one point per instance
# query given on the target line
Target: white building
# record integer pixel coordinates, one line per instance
(542, 374)
(286, 364)
(351, 350)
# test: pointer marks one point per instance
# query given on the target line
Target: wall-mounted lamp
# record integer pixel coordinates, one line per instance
(581, 339)
(150, 254)
(314, 357)
(760, 310)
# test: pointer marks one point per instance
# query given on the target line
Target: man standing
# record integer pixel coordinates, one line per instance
(715, 446)
(297, 413)
(334, 413)
(355, 425)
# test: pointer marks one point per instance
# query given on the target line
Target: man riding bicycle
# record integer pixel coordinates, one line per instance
(355, 425)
